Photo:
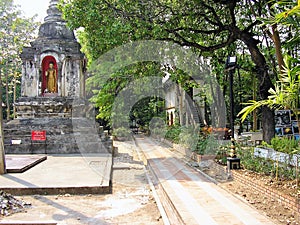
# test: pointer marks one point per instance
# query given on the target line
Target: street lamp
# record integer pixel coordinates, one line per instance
(230, 65)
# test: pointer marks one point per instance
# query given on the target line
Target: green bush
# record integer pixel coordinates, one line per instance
(259, 165)
(122, 132)
(157, 127)
(284, 144)
(158, 132)
(189, 136)
(207, 144)
(265, 166)
(173, 133)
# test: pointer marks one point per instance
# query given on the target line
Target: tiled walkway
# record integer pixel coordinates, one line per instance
(195, 199)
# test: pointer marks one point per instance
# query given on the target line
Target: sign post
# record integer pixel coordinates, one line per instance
(39, 135)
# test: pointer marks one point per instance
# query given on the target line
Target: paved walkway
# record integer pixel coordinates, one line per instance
(195, 199)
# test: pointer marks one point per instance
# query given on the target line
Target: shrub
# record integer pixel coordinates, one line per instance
(207, 144)
(284, 144)
(173, 133)
(189, 136)
(265, 166)
(122, 132)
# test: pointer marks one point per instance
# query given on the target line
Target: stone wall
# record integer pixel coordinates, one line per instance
(69, 124)
(64, 136)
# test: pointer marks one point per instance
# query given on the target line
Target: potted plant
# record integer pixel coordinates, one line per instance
(207, 147)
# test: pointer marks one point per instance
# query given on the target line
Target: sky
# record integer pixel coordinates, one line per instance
(32, 7)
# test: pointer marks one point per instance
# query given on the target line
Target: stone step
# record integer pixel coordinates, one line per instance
(64, 148)
(53, 140)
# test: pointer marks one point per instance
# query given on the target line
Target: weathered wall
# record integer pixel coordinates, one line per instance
(64, 136)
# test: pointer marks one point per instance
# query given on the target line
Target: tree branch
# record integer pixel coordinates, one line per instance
(183, 42)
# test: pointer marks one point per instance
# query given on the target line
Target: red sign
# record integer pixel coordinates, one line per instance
(38, 135)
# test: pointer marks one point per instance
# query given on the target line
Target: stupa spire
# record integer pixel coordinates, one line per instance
(54, 27)
(54, 15)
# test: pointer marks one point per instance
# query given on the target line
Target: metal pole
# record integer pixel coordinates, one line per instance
(231, 102)
(231, 72)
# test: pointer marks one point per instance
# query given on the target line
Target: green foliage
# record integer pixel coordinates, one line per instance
(188, 137)
(146, 109)
(207, 145)
(157, 126)
(173, 133)
(158, 132)
(286, 145)
(15, 32)
(283, 144)
(191, 138)
(210, 28)
(265, 144)
(106, 91)
(222, 154)
(285, 94)
(122, 132)
(264, 166)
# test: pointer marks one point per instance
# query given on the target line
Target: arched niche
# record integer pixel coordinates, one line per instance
(45, 67)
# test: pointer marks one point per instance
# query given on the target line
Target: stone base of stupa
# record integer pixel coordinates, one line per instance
(69, 125)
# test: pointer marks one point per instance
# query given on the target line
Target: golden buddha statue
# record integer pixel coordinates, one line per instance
(51, 78)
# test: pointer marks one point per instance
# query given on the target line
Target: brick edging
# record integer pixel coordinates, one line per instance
(285, 200)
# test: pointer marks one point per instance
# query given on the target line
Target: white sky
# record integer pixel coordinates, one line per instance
(32, 7)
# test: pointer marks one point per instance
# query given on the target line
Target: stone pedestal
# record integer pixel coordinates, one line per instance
(64, 136)
(68, 123)
(233, 163)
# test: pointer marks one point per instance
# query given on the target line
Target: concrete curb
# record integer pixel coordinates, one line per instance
(155, 195)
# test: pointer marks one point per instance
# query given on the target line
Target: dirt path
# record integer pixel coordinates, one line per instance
(131, 202)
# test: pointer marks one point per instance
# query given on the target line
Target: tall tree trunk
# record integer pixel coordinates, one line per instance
(7, 96)
(265, 83)
(2, 153)
(15, 95)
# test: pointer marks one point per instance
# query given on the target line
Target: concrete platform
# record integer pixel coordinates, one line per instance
(21, 163)
(61, 174)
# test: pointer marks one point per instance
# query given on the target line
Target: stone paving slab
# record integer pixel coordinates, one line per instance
(21, 163)
(61, 174)
(196, 199)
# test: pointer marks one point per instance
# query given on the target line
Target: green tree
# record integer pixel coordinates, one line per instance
(15, 32)
(105, 97)
(285, 94)
(145, 109)
(205, 26)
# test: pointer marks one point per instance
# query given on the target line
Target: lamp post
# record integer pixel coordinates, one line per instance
(230, 65)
